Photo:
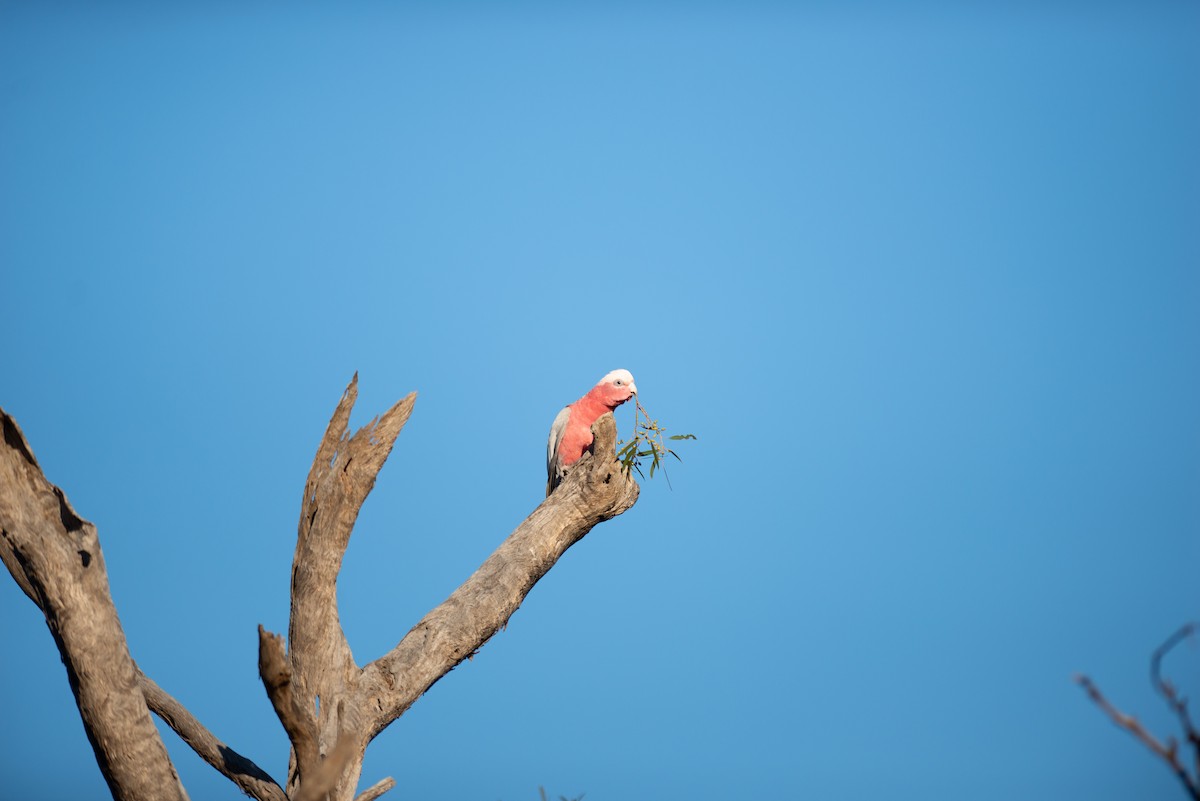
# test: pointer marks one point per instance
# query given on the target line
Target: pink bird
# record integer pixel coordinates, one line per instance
(571, 433)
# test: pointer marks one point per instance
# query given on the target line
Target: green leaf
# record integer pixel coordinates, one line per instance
(682, 436)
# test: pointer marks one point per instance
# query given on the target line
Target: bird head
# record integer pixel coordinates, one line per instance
(616, 388)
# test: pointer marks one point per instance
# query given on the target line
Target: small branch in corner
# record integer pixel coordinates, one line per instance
(1168, 751)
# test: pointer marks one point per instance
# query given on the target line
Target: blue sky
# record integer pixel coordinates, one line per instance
(924, 279)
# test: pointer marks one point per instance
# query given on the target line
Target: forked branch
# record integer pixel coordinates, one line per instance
(1168, 751)
(342, 475)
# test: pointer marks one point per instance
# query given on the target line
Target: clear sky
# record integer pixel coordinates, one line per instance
(924, 280)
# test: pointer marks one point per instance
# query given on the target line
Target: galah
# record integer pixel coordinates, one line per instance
(571, 433)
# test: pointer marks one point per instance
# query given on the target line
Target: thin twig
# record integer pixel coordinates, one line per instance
(1175, 701)
(1167, 690)
(1168, 752)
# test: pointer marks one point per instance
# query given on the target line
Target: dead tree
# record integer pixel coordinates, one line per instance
(330, 707)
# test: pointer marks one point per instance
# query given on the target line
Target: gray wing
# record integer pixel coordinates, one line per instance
(553, 458)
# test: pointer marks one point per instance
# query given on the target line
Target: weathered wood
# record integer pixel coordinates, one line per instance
(55, 557)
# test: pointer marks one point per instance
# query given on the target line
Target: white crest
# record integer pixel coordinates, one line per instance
(624, 376)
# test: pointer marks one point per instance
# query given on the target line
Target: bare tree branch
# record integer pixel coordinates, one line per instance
(54, 555)
(1168, 751)
(1175, 701)
(253, 780)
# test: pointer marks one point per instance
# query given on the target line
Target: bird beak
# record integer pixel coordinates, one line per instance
(633, 388)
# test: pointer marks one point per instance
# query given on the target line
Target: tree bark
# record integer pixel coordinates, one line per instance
(55, 557)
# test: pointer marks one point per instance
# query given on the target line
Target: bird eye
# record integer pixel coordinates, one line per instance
(618, 382)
